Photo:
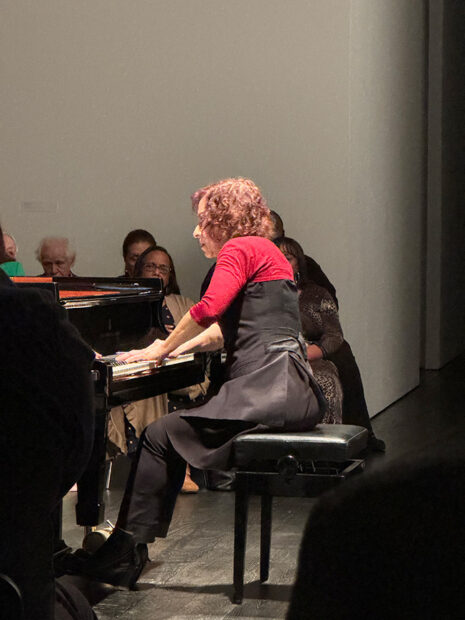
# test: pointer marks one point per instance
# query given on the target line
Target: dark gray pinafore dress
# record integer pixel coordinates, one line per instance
(269, 384)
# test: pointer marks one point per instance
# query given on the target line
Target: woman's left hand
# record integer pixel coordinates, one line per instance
(156, 351)
(314, 352)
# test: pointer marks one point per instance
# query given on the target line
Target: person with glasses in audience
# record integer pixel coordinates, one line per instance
(155, 262)
(128, 421)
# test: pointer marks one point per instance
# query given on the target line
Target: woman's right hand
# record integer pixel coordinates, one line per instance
(156, 351)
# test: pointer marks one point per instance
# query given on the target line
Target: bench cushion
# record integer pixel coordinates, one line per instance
(326, 442)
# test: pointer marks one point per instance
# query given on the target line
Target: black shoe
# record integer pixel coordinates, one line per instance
(119, 561)
(375, 445)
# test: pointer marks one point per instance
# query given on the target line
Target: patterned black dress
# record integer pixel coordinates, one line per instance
(320, 326)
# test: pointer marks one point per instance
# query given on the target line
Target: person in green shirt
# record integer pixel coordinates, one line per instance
(9, 266)
(12, 268)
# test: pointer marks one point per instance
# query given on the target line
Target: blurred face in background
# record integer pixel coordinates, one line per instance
(292, 260)
(277, 227)
(134, 251)
(10, 246)
(55, 259)
(157, 265)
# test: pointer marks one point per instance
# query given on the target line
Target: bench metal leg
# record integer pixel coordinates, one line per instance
(108, 470)
(240, 537)
(265, 537)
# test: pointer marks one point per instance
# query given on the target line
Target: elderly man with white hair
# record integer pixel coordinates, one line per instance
(56, 256)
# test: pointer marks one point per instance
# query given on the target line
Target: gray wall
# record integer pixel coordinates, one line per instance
(113, 112)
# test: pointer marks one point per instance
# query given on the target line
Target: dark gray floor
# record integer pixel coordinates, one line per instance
(191, 571)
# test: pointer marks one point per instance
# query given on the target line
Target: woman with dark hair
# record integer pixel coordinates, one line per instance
(127, 422)
(156, 262)
(134, 244)
(320, 327)
(10, 267)
(354, 407)
(250, 308)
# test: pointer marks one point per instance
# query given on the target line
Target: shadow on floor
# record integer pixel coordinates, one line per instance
(255, 590)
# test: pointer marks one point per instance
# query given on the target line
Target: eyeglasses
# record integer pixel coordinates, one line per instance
(153, 267)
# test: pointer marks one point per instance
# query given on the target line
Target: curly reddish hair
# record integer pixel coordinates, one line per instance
(233, 208)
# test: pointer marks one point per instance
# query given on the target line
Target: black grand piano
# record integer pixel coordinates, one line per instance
(113, 314)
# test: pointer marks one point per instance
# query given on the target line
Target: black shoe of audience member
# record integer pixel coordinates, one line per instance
(119, 561)
(375, 445)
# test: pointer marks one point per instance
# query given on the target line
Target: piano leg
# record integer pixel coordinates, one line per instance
(57, 517)
(90, 508)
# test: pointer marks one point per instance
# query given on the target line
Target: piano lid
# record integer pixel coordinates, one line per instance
(111, 314)
(86, 292)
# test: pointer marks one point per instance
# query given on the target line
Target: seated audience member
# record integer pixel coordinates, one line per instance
(46, 439)
(56, 256)
(320, 328)
(8, 263)
(314, 271)
(11, 247)
(135, 242)
(128, 421)
(156, 262)
(401, 559)
(354, 407)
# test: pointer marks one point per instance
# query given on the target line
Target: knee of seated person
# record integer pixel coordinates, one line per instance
(155, 434)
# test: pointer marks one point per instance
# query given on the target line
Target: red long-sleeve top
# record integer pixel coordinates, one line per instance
(240, 261)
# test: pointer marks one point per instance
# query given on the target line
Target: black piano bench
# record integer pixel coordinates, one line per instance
(288, 465)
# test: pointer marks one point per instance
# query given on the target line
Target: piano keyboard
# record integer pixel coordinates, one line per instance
(125, 369)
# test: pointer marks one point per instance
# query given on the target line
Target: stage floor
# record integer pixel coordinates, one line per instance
(190, 574)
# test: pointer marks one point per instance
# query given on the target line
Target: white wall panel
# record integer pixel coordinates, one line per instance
(118, 110)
